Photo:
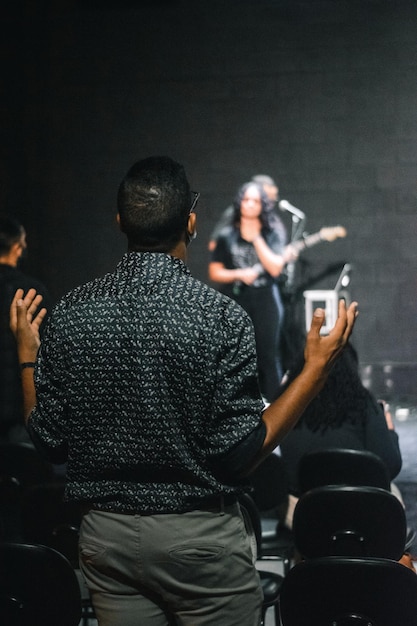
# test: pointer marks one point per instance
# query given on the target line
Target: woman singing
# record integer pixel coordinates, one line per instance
(249, 256)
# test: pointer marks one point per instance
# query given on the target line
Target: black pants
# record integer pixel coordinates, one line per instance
(265, 308)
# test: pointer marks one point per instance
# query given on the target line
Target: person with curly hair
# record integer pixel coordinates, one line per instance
(345, 414)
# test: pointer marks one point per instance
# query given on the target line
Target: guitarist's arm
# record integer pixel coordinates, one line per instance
(273, 263)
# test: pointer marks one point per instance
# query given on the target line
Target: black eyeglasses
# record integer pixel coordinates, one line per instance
(195, 196)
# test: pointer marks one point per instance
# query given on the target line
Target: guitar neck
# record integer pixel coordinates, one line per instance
(307, 242)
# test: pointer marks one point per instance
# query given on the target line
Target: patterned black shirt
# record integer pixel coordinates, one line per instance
(146, 378)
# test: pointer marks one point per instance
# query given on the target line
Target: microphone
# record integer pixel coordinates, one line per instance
(284, 205)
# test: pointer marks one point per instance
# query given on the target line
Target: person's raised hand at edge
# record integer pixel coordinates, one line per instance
(25, 320)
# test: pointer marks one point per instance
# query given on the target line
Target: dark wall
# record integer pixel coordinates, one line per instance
(321, 95)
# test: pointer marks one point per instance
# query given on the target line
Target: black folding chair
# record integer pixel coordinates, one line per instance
(338, 466)
(349, 521)
(22, 462)
(38, 587)
(337, 591)
(50, 520)
(21, 467)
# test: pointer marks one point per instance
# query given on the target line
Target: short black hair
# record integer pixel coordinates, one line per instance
(154, 202)
(11, 231)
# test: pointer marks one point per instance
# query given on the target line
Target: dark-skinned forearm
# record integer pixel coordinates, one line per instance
(29, 393)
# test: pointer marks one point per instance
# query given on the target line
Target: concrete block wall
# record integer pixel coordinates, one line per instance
(319, 94)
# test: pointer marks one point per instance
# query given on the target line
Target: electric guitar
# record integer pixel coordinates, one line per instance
(324, 234)
(286, 279)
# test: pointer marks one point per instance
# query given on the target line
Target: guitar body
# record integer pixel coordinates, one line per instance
(331, 233)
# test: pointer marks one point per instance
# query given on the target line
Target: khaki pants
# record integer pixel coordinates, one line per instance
(190, 569)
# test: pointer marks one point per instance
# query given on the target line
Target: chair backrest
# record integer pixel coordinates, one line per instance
(10, 509)
(338, 466)
(38, 587)
(20, 467)
(349, 592)
(51, 521)
(349, 521)
(270, 487)
(22, 462)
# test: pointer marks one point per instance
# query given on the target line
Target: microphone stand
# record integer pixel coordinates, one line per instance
(292, 331)
(297, 229)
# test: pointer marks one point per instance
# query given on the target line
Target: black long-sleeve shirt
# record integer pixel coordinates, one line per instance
(371, 434)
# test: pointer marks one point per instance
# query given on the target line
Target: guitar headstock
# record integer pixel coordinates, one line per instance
(332, 233)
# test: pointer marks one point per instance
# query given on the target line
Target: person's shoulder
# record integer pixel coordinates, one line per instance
(204, 292)
(37, 284)
(229, 211)
(218, 304)
(84, 291)
(21, 280)
(226, 233)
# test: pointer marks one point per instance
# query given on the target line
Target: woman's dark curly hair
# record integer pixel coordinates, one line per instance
(342, 399)
(266, 216)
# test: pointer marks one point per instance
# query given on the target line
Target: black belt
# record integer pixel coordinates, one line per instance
(213, 504)
(216, 504)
